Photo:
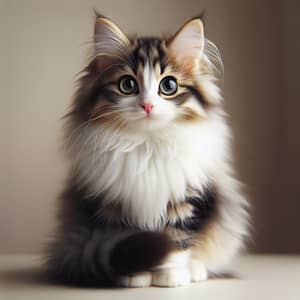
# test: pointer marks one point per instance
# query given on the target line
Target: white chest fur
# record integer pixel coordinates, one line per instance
(142, 172)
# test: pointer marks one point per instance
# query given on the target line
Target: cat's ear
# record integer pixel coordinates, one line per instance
(187, 44)
(110, 42)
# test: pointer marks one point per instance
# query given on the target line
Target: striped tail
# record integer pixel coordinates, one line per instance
(99, 258)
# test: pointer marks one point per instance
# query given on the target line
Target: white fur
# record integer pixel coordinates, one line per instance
(174, 271)
(179, 259)
(171, 277)
(137, 280)
(198, 270)
(145, 171)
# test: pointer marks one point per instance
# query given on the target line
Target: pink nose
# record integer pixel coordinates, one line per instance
(147, 107)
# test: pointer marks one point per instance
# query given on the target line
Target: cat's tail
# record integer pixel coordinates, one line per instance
(101, 257)
(139, 252)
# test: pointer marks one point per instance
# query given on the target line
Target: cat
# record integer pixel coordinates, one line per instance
(151, 197)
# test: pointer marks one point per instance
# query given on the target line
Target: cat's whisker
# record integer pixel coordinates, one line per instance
(95, 145)
(105, 114)
(69, 136)
(69, 141)
(84, 144)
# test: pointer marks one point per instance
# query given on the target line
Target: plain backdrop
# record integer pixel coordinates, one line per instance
(45, 43)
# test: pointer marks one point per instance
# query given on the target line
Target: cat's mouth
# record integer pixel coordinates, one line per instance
(146, 117)
(151, 115)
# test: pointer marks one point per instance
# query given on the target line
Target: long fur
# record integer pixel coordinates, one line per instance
(148, 194)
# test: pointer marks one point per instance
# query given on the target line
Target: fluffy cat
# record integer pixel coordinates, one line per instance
(151, 197)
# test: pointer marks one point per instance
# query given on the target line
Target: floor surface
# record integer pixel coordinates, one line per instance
(257, 277)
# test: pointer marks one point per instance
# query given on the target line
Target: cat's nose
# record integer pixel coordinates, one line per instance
(147, 107)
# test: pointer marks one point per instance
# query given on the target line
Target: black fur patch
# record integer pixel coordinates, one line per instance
(196, 94)
(140, 252)
(204, 207)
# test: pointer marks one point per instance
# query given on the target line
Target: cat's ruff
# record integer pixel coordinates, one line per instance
(145, 171)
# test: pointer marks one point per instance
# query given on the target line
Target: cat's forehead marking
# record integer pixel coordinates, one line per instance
(152, 51)
(150, 60)
(150, 82)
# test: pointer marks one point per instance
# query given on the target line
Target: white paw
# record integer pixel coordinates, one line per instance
(198, 271)
(171, 277)
(137, 280)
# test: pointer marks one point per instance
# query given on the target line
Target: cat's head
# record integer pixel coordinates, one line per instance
(148, 83)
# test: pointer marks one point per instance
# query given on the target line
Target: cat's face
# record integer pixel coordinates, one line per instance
(147, 83)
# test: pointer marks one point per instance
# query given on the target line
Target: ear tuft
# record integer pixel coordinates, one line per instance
(110, 42)
(187, 44)
(108, 32)
(97, 14)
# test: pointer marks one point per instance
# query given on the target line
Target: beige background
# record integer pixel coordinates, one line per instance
(43, 45)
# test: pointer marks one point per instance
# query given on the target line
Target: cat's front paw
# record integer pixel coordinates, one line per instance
(142, 279)
(171, 277)
(198, 271)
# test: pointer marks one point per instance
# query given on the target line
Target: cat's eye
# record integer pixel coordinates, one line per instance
(168, 86)
(128, 85)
